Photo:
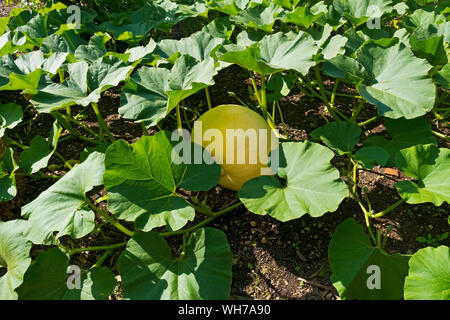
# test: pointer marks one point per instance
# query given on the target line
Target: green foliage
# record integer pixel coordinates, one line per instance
(153, 187)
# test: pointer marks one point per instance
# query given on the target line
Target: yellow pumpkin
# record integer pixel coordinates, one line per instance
(239, 139)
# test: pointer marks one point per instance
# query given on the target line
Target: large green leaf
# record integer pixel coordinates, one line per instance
(10, 116)
(429, 275)
(368, 156)
(48, 279)
(423, 16)
(351, 257)
(10, 42)
(198, 45)
(84, 86)
(36, 157)
(442, 77)
(360, 11)
(273, 53)
(259, 17)
(391, 78)
(60, 208)
(400, 85)
(341, 136)
(67, 41)
(142, 180)
(404, 134)
(94, 50)
(280, 51)
(428, 42)
(141, 52)
(25, 72)
(431, 167)
(8, 167)
(152, 93)
(34, 26)
(230, 7)
(312, 185)
(301, 16)
(14, 256)
(149, 271)
(161, 14)
(346, 69)
(358, 38)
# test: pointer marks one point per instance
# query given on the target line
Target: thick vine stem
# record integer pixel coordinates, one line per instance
(364, 123)
(109, 219)
(208, 98)
(203, 223)
(66, 163)
(352, 177)
(102, 259)
(263, 96)
(179, 123)
(330, 108)
(440, 135)
(102, 124)
(392, 207)
(74, 133)
(97, 248)
(357, 111)
(255, 88)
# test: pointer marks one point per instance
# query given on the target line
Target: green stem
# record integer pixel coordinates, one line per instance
(97, 248)
(201, 224)
(102, 259)
(102, 124)
(66, 163)
(336, 114)
(323, 92)
(378, 238)
(282, 120)
(14, 142)
(79, 137)
(382, 213)
(144, 129)
(263, 96)
(179, 124)
(355, 113)
(366, 217)
(440, 135)
(364, 123)
(208, 98)
(104, 198)
(356, 197)
(255, 88)
(309, 95)
(442, 99)
(232, 94)
(186, 120)
(333, 93)
(85, 127)
(345, 95)
(109, 219)
(66, 124)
